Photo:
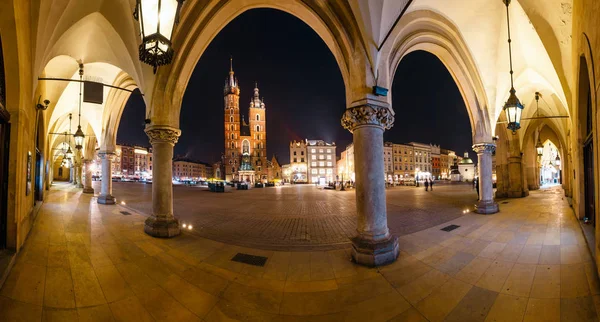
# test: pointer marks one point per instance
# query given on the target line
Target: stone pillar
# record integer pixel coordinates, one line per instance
(80, 173)
(162, 223)
(88, 177)
(486, 203)
(105, 196)
(367, 120)
(71, 174)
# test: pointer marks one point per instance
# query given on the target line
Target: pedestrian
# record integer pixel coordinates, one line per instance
(431, 184)
(477, 187)
(426, 185)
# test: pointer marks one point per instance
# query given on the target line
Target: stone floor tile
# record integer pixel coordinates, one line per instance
(504, 237)
(542, 310)
(406, 274)
(552, 238)
(58, 291)
(546, 283)
(550, 255)
(596, 299)
(11, 310)
(474, 270)
(25, 283)
(95, 313)
(494, 277)
(278, 264)
(507, 308)
(569, 254)
(341, 262)
(443, 300)
(510, 253)
(474, 306)
(421, 287)
(86, 286)
(258, 299)
(578, 309)
(573, 281)
(492, 250)
(457, 262)
(315, 303)
(129, 309)
(410, 315)
(163, 307)
(59, 315)
(113, 285)
(311, 286)
(135, 278)
(476, 248)
(299, 267)
(227, 311)
(584, 251)
(58, 256)
(519, 281)
(530, 254)
(206, 281)
(536, 239)
(320, 269)
(172, 263)
(379, 308)
(194, 299)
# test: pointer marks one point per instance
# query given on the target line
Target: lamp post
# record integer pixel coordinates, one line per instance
(157, 20)
(513, 107)
(79, 136)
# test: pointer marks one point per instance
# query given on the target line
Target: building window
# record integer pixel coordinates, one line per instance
(313, 171)
(231, 119)
(302, 160)
(321, 171)
(328, 150)
(257, 128)
(329, 164)
(313, 157)
(329, 157)
(294, 152)
(313, 164)
(295, 160)
(321, 164)
(301, 152)
(258, 119)
(320, 150)
(313, 150)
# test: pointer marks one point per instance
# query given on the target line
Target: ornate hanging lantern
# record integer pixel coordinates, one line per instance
(539, 147)
(513, 107)
(157, 20)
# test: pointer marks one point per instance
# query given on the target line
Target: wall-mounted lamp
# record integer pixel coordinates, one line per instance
(44, 106)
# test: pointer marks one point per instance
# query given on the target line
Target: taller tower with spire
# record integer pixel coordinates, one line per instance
(258, 132)
(231, 93)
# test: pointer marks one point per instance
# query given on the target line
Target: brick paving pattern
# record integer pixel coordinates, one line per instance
(299, 217)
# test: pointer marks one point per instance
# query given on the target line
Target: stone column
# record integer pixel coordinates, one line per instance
(367, 120)
(88, 177)
(486, 203)
(80, 173)
(71, 174)
(105, 196)
(162, 223)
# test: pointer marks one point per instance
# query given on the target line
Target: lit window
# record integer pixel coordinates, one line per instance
(328, 150)
(329, 157)
(329, 171)
(321, 164)
(313, 157)
(313, 164)
(329, 164)
(313, 171)
(320, 150)
(321, 171)
(313, 150)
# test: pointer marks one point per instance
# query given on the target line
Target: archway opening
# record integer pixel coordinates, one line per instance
(586, 133)
(432, 135)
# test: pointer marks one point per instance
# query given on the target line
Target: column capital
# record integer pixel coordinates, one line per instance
(484, 148)
(163, 134)
(368, 112)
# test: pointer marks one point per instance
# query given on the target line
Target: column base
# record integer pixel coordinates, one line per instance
(162, 228)
(79, 185)
(486, 207)
(88, 190)
(106, 200)
(374, 253)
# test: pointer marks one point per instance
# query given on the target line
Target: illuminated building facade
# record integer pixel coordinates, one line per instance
(388, 163)
(321, 161)
(298, 162)
(404, 163)
(186, 169)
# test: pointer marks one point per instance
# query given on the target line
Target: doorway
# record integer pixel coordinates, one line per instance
(588, 180)
(4, 149)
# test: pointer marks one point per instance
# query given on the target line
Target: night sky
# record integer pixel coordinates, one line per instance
(303, 91)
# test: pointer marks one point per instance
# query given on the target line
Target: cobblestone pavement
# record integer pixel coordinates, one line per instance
(299, 217)
(88, 262)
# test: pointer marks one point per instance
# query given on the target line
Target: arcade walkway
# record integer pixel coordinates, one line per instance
(88, 262)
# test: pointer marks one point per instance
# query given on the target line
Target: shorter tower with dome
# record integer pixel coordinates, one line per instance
(466, 167)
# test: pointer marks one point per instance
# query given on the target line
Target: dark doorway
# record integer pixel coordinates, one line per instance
(588, 180)
(39, 163)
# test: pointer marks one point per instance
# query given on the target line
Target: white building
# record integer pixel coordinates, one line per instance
(321, 161)
(466, 167)
(388, 163)
(422, 154)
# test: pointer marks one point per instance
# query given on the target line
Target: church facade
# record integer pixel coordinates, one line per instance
(245, 157)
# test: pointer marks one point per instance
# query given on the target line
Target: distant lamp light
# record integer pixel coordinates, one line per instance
(539, 147)
(557, 160)
(79, 136)
(157, 20)
(69, 153)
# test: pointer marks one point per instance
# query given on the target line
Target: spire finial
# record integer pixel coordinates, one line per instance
(255, 84)
(231, 64)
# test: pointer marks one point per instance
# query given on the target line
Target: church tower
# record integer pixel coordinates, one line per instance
(258, 132)
(232, 124)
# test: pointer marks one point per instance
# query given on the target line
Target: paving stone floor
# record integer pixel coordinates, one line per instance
(89, 262)
(299, 217)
